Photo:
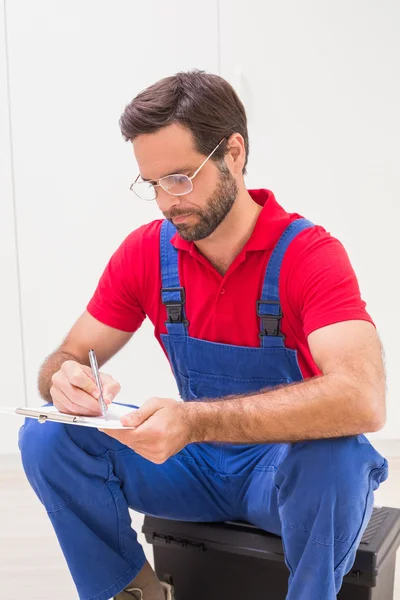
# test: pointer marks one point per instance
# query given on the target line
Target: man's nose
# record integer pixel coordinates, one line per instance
(166, 201)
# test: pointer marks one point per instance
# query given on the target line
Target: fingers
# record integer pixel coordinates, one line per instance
(146, 450)
(144, 412)
(78, 376)
(110, 387)
(74, 389)
(158, 433)
(65, 405)
(147, 437)
(77, 397)
(117, 434)
(61, 401)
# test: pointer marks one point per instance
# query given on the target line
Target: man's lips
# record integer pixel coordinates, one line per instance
(180, 218)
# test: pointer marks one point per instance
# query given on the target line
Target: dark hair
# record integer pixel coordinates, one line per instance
(204, 103)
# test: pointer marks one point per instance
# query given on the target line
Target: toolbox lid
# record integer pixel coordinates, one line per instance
(380, 539)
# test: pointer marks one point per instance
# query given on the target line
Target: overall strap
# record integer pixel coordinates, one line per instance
(269, 308)
(172, 294)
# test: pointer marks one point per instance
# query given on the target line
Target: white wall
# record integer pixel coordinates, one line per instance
(320, 84)
(11, 358)
(73, 67)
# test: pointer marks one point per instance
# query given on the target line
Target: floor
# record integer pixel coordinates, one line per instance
(31, 563)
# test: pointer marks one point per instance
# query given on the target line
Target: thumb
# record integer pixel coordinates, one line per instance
(137, 417)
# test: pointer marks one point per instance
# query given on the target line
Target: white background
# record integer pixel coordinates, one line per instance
(320, 81)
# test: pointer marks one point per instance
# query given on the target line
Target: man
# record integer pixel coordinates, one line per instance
(260, 315)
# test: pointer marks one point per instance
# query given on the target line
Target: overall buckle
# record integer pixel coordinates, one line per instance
(271, 324)
(175, 307)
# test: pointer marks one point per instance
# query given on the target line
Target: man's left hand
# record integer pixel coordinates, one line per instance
(162, 428)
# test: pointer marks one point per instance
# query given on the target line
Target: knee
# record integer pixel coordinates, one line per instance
(62, 462)
(325, 487)
(44, 452)
(338, 467)
(41, 446)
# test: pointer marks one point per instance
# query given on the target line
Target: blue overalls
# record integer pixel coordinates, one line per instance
(318, 494)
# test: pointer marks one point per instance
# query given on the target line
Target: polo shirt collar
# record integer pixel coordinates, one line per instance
(271, 222)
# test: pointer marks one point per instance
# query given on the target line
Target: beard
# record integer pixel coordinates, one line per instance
(217, 208)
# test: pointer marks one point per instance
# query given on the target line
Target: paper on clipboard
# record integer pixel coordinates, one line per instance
(46, 414)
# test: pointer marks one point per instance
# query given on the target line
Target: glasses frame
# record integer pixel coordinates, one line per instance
(159, 184)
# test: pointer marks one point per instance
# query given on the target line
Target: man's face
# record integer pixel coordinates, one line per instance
(171, 150)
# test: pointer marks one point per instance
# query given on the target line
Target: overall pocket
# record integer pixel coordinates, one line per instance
(204, 385)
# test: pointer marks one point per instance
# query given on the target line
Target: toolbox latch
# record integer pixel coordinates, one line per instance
(180, 542)
(354, 574)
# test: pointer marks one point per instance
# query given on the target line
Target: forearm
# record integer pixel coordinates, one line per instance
(321, 407)
(51, 365)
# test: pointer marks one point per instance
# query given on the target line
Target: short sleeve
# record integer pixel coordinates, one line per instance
(115, 300)
(322, 286)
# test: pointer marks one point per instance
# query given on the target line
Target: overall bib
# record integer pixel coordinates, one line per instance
(318, 495)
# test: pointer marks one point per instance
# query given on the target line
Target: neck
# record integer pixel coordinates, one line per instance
(227, 241)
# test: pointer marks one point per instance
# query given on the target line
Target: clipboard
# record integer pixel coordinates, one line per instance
(42, 417)
(49, 413)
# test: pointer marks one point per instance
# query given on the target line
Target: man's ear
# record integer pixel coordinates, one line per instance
(236, 156)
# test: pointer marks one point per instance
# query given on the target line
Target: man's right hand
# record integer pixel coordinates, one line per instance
(74, 390)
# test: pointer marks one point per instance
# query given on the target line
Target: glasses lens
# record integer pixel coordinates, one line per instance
(176, 184)
(145, 190)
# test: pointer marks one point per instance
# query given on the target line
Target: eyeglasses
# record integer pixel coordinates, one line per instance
(176, 184)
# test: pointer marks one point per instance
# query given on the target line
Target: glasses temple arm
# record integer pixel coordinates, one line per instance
(204, 162)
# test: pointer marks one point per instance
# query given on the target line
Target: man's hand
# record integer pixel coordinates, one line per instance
(162, 428)
(74, 390)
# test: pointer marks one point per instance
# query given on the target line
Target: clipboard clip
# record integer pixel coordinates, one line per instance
(55, 417)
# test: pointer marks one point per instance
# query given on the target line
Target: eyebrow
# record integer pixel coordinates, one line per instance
(182, 170)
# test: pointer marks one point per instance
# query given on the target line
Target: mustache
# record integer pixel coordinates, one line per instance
(172, 214)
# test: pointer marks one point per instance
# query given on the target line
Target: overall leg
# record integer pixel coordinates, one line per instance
(323, 493)
(87, 480)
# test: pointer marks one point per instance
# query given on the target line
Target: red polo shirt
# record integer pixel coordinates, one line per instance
(318, 286)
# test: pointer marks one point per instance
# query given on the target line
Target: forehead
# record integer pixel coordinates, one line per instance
(169, 150)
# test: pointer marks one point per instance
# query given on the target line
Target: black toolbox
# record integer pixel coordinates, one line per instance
(236, 561)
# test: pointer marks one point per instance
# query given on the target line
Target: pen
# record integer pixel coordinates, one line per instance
(96, 374)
